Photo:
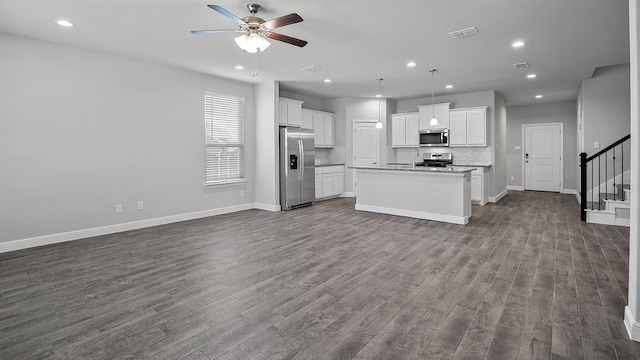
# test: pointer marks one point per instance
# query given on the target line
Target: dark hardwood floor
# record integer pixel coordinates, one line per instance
(525, 279)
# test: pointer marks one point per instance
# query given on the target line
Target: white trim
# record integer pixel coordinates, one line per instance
(348, 194)
(561, 150)
(515, 187)
(497, 198)
(578, 197)
(569, 191)
(116, 228)
(414, 214)
(633, 327)
(267, 207)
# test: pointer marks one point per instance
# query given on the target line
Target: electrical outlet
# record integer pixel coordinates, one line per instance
(241, 192)
(513, 178)
(140, 205)
(118, 208)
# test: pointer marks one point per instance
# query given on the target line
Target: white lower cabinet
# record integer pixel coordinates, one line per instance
(329, 181)
(318, 183)
(477, 186)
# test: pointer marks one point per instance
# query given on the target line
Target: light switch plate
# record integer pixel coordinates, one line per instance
(517, 147)
(596, 145)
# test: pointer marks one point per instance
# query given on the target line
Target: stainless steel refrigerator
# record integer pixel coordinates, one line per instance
(297, 168)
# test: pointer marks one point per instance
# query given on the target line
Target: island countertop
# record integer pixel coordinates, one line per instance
(445, 170)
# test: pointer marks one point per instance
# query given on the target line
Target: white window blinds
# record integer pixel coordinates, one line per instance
(224, 139)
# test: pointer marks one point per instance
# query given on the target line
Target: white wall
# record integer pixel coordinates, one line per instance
(82, 131)
(632, 311)
(266, 155)
(557, 112)
(605, 107)
(499, 147)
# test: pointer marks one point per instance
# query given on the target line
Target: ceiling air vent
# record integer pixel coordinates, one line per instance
(463, 33)
(312, 68)
(520, 66)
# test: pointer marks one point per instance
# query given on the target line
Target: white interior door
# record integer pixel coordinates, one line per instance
(365, 146)
(542, 157)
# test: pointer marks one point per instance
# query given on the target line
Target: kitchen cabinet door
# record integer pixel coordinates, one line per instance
(318, 186)
(290, 112)
(338, 181)
(328, 130)
(477, 127)
(319, 129)
(307, 119)
(458, 128)
(412, 130)
(327, 185)
(398, 131)
(476, 188)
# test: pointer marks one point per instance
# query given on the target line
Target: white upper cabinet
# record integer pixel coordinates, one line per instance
(405, 130)
(322, 124)
(468, 127)
(290, 112)
(442, 114)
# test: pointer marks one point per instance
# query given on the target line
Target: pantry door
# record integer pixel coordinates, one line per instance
(365, 145)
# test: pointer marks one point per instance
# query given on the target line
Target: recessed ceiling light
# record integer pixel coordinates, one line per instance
(239, 67)
(64, 23)
(411, 64)
(449, 86)
(538, 96)
(379, 95)
(531, 76)
(327, 80)
(518, 44)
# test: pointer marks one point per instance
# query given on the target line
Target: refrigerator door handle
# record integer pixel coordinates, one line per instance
(301, 166)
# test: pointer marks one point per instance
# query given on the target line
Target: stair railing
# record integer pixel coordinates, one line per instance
(610, 153)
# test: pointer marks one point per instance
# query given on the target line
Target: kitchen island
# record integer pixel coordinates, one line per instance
(441, 194)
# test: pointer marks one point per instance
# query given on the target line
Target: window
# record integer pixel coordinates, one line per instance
(224, 139)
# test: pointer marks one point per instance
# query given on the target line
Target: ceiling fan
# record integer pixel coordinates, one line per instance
(256, 29)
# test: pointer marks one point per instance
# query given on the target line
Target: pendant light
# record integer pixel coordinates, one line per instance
(379, 123)
(434, 120)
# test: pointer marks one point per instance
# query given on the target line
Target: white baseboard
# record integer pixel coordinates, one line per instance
(116, 228)
(462, 220)
(515, 188)
(578, 197)
(497, 198)
(633, 327)
(267, 207)
(569, 191)
(348, 194)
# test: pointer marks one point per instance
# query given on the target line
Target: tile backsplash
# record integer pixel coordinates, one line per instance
(463, 155)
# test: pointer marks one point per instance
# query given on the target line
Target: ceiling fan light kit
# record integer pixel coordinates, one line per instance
(256, 29)
(252, 43)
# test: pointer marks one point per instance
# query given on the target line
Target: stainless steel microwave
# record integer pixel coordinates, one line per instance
(436, 137)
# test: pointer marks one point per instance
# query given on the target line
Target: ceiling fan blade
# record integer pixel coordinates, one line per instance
(214, 31)
(287, 39)
(282, 21)
(226, 13)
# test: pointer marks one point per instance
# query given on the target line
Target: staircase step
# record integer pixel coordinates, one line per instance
(620, 189)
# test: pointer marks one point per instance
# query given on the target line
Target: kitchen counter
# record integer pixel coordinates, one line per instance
(471, 165)
(329, 164)
(441, 194)
(404, 167)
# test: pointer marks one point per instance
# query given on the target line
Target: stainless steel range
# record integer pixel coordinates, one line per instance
(436, 160)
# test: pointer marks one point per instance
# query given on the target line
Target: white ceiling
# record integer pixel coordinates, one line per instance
(356, 41)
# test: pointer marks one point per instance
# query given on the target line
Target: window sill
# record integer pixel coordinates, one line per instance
(224, 183)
